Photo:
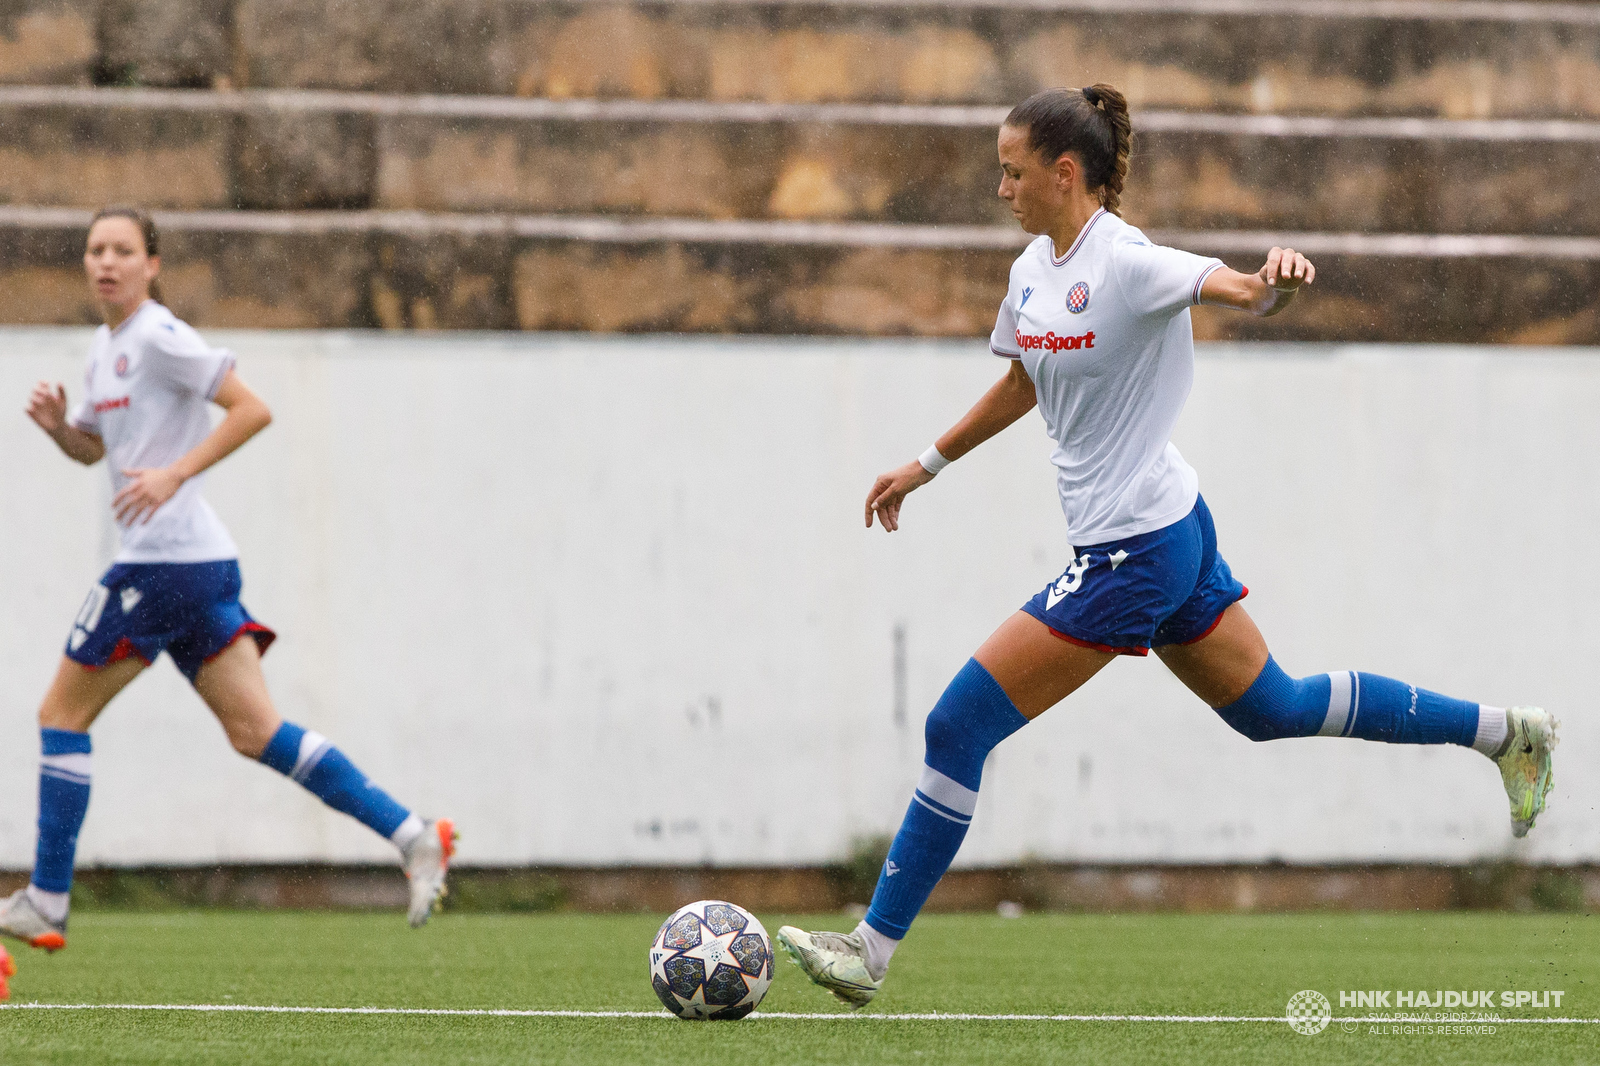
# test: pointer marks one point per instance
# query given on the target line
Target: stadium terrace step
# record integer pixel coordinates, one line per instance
(1454, 58)
(792, 890)
(416, 270)
(917, 164)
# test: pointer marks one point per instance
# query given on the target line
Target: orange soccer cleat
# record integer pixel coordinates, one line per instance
(8, 969)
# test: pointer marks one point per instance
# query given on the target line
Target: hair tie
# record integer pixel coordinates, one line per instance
(1091, 94)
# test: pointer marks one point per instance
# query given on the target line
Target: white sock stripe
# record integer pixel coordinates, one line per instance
(75, 763)
(313, 746)
(1355, 703)
(64, 775)
(951, 793)
(1338, 705)
(407, 831)
(942, 814)
(1492, 729)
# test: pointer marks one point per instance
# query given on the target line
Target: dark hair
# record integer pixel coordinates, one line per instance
(147, 229)
(1092, 122)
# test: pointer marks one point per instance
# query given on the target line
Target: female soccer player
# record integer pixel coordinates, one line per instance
(174, 585)
(1096, 324)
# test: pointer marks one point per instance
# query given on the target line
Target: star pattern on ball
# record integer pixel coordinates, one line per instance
(695, 970)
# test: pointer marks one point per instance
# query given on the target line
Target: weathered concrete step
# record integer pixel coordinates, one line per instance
(923, 164)
(414, 270)
(1476, 58)
(799, 890)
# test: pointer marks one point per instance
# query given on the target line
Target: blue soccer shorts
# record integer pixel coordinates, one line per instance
(191, 611)
(1168, 586)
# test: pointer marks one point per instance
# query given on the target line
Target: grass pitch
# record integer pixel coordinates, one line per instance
(1243, 966)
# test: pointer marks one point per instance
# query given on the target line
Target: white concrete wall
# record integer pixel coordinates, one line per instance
(611, 601)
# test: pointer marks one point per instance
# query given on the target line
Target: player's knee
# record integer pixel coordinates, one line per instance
(972, 716)
(1275, 707)
(941, 735)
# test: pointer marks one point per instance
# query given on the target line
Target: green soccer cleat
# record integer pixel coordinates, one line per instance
(427, 861)
(20, 919)
(1525, 764)
(836, 961)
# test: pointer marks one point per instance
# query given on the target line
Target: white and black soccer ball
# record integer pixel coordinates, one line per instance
(711, 960)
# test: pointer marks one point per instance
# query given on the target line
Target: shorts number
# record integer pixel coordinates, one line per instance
(93, 607)
(1068, 582)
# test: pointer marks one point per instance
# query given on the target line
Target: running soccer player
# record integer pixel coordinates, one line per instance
(174, 585)
(1096, 325)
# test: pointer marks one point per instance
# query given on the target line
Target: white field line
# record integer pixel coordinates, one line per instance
(937, 1016)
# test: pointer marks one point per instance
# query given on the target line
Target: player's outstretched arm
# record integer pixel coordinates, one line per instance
(1264, 293)
(1006, 401)
(247, 415)
(48, 409)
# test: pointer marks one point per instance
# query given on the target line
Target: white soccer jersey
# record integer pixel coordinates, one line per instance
(147, 396)
(1104, 333)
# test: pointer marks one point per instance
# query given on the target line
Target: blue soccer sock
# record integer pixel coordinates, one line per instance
(972, 716)
(1348, 704)
(310, 759)
(63, 801)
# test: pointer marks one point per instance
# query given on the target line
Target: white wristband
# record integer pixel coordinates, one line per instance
(932, 461)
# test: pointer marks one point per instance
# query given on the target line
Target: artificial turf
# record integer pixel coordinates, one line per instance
(1047, 964)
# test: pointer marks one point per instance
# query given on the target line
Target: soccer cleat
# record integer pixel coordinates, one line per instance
(1525, 764)
(20, 919)
(8, 970)
(836, 961)
(426, 862)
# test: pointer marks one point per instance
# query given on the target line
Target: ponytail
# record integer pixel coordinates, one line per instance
(1093, 122)
(147, 230)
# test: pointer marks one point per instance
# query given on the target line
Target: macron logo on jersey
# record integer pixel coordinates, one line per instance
(1051, 343)
(110, 405)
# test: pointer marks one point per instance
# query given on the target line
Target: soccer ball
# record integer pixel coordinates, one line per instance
(711, 959)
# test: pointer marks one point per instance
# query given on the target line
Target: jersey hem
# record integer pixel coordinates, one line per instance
(1105, 536)
(144, 558)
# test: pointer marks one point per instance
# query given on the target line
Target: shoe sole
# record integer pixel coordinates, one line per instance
(1545, 745)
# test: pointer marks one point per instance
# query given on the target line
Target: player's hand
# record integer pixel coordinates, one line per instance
(48, 407)
(890, 490)
(1287, 269)
(145, 492)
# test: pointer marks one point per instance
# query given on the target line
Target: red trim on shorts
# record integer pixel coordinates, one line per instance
(123, 650)
(1097, 647)
(263, 637)
(1216, 623)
